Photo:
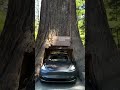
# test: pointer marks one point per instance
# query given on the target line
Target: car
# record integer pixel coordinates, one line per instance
(58, 67)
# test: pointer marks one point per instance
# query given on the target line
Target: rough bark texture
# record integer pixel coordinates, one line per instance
(16, 39)
(58, 17)
(101, 46)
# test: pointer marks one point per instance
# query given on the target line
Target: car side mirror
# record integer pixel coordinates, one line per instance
(74, 62)
(44, 60)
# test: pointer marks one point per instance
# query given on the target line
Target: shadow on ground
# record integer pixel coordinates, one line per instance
(59, 86)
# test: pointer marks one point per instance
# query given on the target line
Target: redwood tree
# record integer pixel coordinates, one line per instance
(58, 17)
(102, 48)
(16, 39)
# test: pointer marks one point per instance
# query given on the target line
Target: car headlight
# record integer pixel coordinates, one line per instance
(43, 67)
(72, 68)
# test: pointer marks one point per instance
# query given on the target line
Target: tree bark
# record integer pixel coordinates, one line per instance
(101, 46)
(58, 17)
(16, 39)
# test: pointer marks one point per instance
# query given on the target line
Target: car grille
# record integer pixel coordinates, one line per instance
(57, 78)
(60, 73)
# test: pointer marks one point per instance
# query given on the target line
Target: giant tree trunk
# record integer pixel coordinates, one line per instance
(16, 39)
(58, 17)
(101, 46)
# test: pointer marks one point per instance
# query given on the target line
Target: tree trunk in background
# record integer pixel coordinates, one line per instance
(16, 39)
(3, 5)
(58, 17)
(101, 46)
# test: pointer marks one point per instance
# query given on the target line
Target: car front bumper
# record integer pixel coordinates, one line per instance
(58, 78)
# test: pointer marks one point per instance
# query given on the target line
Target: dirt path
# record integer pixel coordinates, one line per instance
(53, 86)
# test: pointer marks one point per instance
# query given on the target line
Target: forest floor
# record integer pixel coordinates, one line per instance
(66, 86)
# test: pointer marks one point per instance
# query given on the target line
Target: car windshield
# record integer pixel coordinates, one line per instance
(58, 57)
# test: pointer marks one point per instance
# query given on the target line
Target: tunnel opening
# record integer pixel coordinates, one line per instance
(27, 71)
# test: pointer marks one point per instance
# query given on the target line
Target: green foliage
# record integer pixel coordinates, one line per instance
(113, 15)
(36, 28)
(2, 20)
(80, 11)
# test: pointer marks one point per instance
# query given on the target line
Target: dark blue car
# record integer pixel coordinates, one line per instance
(58, 68)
